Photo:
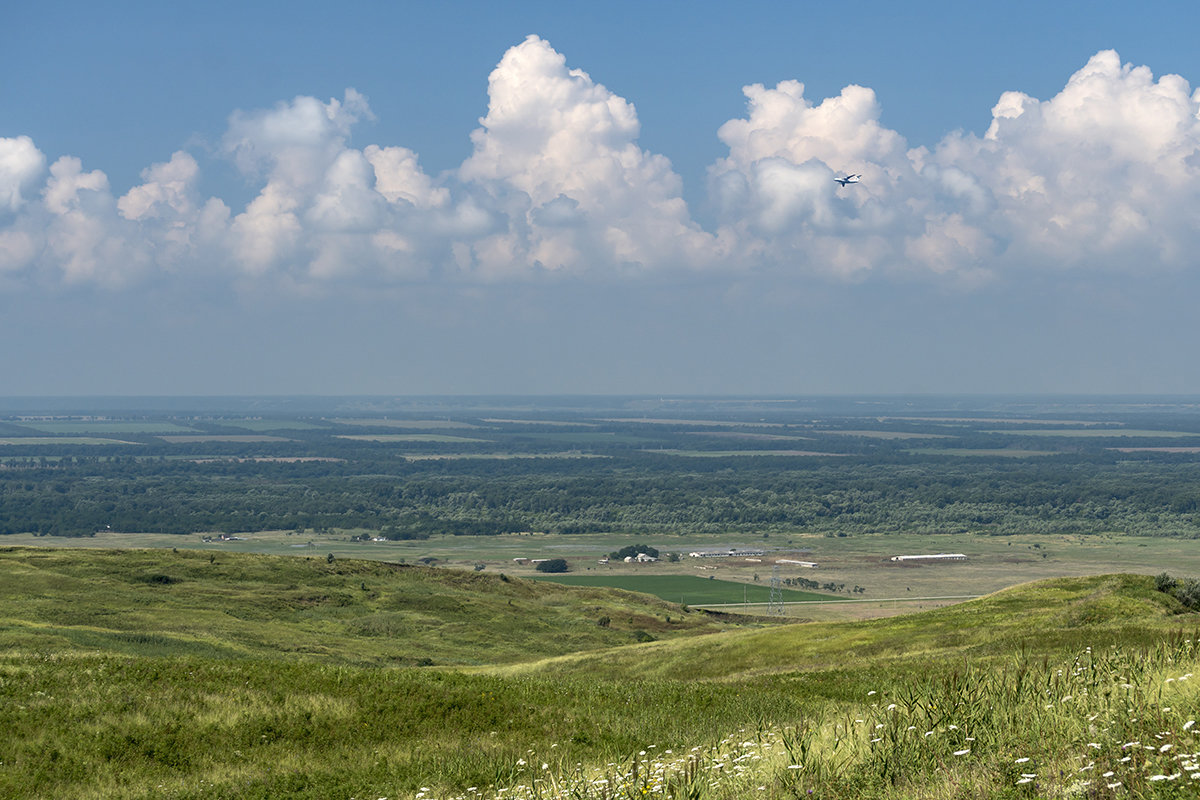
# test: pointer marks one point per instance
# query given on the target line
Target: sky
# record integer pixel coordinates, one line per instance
(345, 198)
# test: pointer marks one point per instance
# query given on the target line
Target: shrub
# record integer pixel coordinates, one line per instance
(552, 565)
(1188, 593)
(1164, 582)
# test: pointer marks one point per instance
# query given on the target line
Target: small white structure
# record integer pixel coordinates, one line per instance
(934, 557)
(805, 564)
(644, 558)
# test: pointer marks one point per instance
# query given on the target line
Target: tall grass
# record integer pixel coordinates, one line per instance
(1114, 723)
(253, 677)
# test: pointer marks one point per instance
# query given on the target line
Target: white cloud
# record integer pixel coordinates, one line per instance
(166, 192)
(398, 177)
(1102, 176)
(86, 240)
(552, 141)
(21, 164)
(776, 194)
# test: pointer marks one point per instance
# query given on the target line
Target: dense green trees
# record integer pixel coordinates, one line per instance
(629, 483)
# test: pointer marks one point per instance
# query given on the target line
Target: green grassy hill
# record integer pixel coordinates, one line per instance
(1037, 618)
(163, 603)
(149, 674)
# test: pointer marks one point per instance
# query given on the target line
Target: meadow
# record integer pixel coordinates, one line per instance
(140, 674)
(689, 590)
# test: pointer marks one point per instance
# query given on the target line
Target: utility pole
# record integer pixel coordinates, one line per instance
(775, 606)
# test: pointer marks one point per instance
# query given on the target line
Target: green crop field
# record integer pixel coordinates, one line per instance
(689, 589)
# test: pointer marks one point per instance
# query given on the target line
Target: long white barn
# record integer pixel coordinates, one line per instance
(933, 557)
(730, 553)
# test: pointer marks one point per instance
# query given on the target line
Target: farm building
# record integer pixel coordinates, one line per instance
(732, 552)
(933, 557)
(806, 564)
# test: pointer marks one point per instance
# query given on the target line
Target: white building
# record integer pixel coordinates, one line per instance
(934, 557)
(732, 552)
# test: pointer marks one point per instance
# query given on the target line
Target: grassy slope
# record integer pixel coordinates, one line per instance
(161, 603)
(1036, 618)
(257, 676)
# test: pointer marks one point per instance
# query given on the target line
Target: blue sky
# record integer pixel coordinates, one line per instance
(230, 198)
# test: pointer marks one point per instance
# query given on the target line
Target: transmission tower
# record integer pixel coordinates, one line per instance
(775, 606)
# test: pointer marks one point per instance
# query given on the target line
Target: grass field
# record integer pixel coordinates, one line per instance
(688, 589)
(147, 674)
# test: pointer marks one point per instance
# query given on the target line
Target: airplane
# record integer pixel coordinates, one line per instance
(849, 179)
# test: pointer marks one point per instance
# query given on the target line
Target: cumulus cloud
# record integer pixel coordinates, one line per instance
(21, 164)
(557, 153)
(1099, 176)
(1102, 175)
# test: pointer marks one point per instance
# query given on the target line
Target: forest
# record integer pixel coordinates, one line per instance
(753, 470)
